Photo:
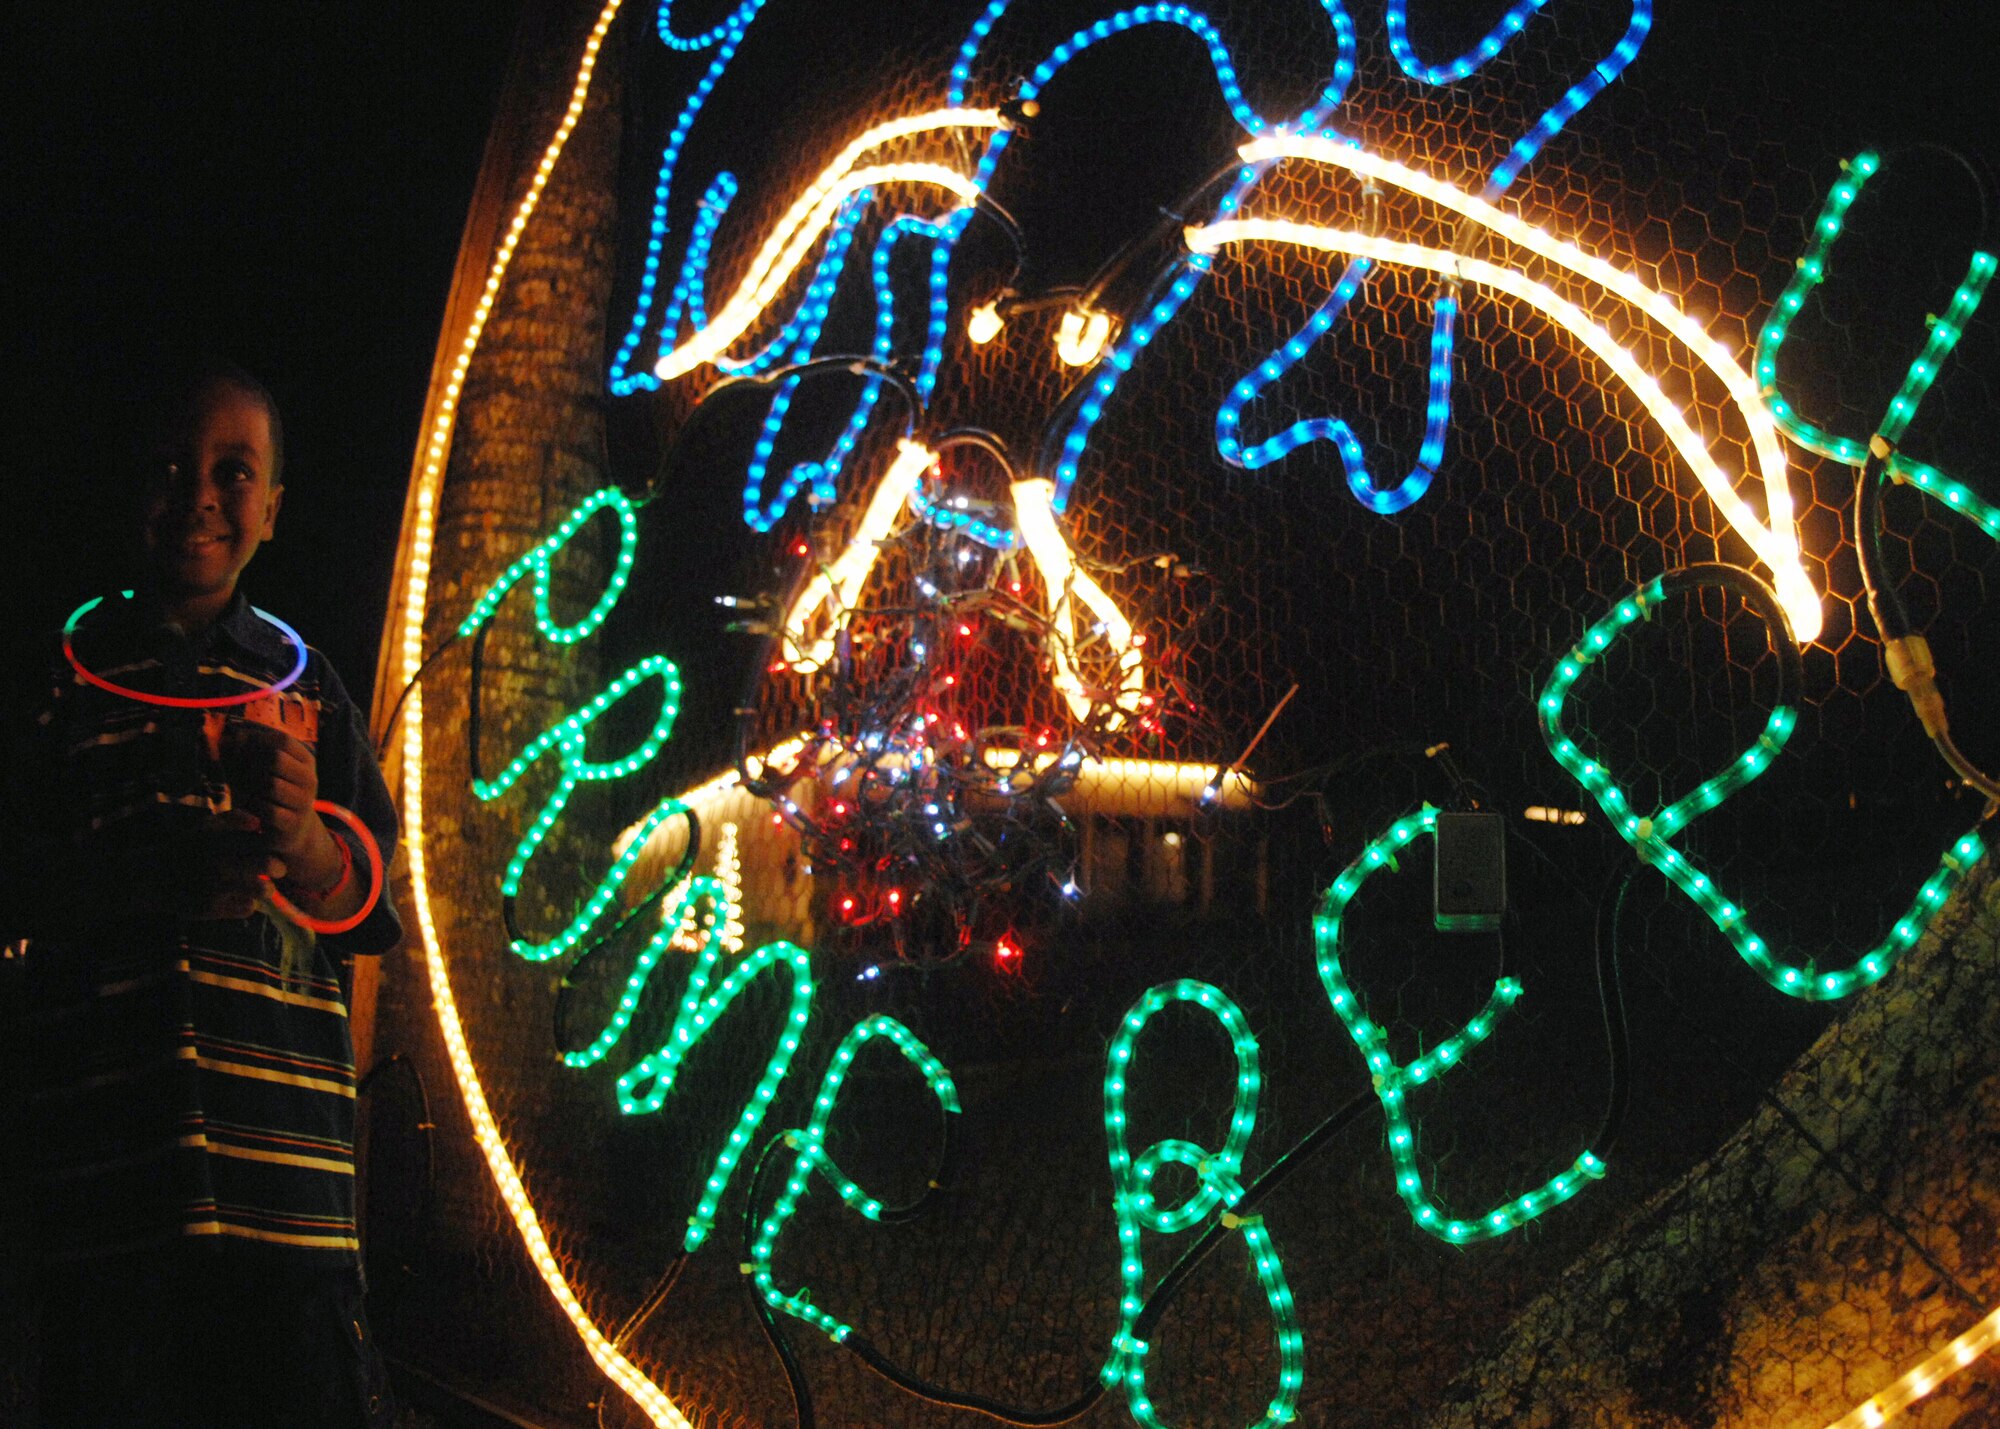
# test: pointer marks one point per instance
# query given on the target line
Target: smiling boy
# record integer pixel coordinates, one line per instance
(190, 1103)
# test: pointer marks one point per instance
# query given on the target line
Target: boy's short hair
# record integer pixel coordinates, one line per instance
(179, 390)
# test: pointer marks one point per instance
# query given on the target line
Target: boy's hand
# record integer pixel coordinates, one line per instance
(274, 778)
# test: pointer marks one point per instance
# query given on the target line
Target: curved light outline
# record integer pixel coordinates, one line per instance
(835, 588)
(180, 702)
(809, 216)
(1961, 1354)
(650, 1398)
(1035, 519)
(1775, 544)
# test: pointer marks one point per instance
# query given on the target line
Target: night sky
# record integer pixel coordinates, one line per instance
(279, 182)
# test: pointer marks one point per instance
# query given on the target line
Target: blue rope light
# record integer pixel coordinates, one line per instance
(762, 510)
(725, 38)
(1444, 307)
(1173, 294)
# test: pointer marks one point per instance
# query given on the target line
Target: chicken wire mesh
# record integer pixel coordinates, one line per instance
(1404, 654)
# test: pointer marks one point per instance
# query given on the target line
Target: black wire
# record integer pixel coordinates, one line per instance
(396, 710)
(1885, 602)
(1611, 999)
(742, 383)
(795, 1375)
(1156, 1305)
(472, 701)
(934, 1186)
(426, 1125)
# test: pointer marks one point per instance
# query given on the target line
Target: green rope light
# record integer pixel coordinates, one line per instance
(682, 913)
(646, 1086)
(569, 737)
(1945, 330)
(1393, 1081)
(540, 560)
(1946, 492)
(1649, 835)
(1217, 1189)
(813, 1156)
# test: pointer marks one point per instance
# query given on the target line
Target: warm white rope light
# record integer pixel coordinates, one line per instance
(650, 1398)
(793, 236)
(1034, 518)
(834, 589)
(1878, 1409)
(1774, 539)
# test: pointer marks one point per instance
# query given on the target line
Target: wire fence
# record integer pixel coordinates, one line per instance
(1409, 655)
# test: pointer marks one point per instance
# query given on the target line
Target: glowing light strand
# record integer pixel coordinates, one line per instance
(645, 1087)
(1353, 457)
(725, 38)
(1217, 1189)
(1650, 834)
(1070, 593)
(1945, 331)
(819, 476)
(182, 702)
(832, 591)
(569, 737)
(1394, 1081)
(540, 561)
(1961, 1354)
(1444, 307)
(795, 343)
(808, 218)
(813, 1157)
(651, 1400)
(1172, 294)
(1775, 543)
(680, 919)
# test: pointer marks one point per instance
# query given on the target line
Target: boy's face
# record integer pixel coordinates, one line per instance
(209, 499)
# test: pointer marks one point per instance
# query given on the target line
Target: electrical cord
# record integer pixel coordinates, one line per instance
(1907, 653)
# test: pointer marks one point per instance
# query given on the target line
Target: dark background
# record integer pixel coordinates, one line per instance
(279, 183)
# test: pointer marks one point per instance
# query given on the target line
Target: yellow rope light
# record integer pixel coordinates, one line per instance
(1879, 1408)
(650, 1398)
(835, 588)
(793, 236)
(1034, 518)
(1775, 540)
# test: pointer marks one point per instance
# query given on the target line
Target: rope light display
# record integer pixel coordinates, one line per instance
(1043, 558)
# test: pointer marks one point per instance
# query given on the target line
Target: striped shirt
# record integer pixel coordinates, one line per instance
(176, 1082)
